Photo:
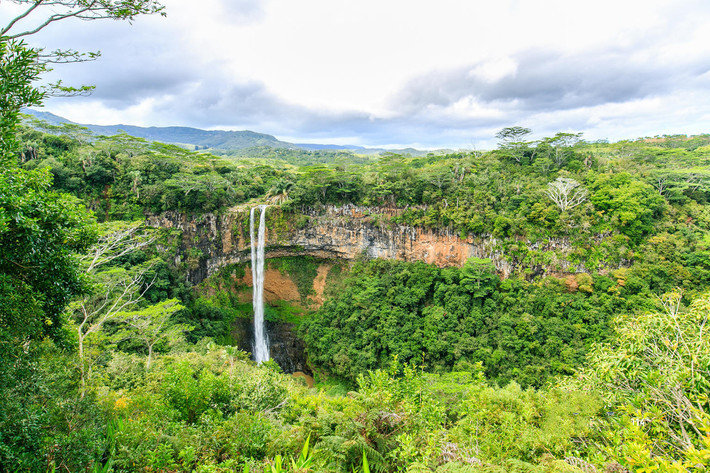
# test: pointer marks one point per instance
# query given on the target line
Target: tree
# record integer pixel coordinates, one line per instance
(46, 12)
(114, 289)
(278, 194)
(19, 67)
(152, 325)
(629, 204)
(656, 368)
(39, 229)
(513, 134)
(478, 276)
(558, 146)
(661, 183)
(566, 193)
(319, 179)
(118, 239)
(511, 140)
(439, 176)
(39, 232)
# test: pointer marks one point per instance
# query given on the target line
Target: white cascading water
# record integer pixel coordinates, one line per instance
(261, 343)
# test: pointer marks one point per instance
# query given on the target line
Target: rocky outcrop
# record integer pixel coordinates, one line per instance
(211, 242)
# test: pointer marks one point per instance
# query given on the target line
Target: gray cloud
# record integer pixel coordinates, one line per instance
(211, 102)
(545, 81)
(214, 102)
(122, 85)
(135, 62)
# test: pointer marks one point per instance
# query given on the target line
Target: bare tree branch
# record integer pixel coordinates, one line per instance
(566, 193)
(46, 23)
(20, 17)
(116, 244)
(87, 10)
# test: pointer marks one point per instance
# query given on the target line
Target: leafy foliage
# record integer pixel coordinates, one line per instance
(655, 374)
(39, 231)
(456, 318)
(18, 69)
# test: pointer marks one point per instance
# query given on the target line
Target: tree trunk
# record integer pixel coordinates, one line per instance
(82, 388)
(150, 357)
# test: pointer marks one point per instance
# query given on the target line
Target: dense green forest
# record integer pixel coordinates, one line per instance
(450, 369)
(110, 360)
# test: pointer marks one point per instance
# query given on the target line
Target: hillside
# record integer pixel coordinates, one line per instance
(226, 142)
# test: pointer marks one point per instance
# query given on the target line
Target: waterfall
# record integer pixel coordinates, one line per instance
(261, 343)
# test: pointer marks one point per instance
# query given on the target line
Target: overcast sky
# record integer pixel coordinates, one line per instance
(426, 73)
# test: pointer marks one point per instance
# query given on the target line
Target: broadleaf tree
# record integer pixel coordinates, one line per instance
(153, 325)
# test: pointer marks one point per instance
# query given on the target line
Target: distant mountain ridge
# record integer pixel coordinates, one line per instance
(207, 139)
(217, 139)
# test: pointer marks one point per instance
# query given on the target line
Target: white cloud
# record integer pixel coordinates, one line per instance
(494, 70)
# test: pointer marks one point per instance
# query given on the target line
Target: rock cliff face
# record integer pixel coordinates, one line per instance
(211, 242)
